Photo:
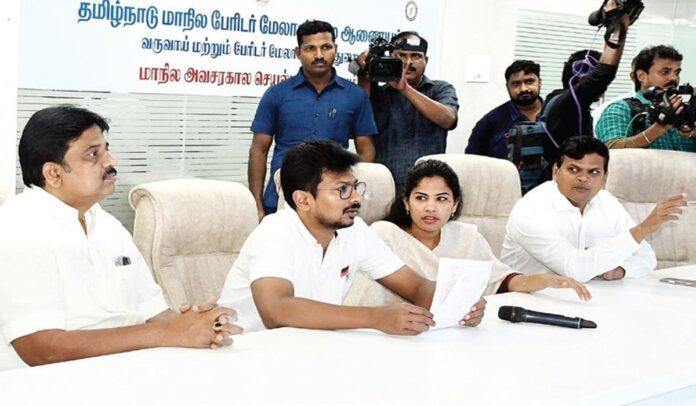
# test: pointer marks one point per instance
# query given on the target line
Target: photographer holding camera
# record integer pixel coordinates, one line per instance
(413, 113)
(586, 76)
(640, 122)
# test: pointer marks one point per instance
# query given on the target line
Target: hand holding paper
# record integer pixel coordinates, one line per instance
(460, 284)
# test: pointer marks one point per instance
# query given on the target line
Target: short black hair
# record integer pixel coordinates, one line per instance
(47, 136)
(311, 27)
(522, 65)
(425, 169)
(646, 57)
(304, 165)
(402, 37)
(574, 57)
(578, 146)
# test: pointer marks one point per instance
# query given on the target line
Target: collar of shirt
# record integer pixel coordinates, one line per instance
(302, 229)
(561, 203)
(515, 114)
(57, 208)
(300, 79)
(640, 96)
(425, 82)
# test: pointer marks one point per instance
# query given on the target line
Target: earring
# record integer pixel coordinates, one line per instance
(408, 212)
(452, 216)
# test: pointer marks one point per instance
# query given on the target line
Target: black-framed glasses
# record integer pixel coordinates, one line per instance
(346, 191)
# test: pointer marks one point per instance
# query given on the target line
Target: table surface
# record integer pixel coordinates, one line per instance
(643, 347)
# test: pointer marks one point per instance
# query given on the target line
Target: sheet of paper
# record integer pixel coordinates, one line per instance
(460, 284)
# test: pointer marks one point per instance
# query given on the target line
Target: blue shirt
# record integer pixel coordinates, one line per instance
(489, 136)
(405, 134)
(293, 112)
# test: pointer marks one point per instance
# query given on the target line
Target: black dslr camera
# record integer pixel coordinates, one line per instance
(662, 112)
(379, 66)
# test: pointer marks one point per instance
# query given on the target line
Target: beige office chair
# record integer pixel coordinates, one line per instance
(190, 232)
(379, 194)
(490, 187)
(640, 178)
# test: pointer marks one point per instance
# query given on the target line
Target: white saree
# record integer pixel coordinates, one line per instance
(458, 240)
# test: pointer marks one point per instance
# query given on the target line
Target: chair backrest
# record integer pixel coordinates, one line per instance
(190, 232)
(490, 187)
(641, 178)
(379, 195)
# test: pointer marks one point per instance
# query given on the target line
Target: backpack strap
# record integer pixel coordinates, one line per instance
(638, 110)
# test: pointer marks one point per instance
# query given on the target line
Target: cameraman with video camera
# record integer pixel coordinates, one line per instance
(656, 117)
(413, 113)
(586, 76)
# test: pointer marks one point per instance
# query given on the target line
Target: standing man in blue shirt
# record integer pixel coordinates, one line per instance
(523, 83)
(314, 104)
(413, 114)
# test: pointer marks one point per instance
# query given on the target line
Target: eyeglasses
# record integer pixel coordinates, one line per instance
(346, 191)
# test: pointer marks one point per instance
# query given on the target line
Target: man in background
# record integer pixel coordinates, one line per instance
(314, 104)
(623, 126)
(414, 113)
(523, 83)
(586, 76)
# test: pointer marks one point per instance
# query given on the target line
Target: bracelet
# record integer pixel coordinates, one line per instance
(645, 137)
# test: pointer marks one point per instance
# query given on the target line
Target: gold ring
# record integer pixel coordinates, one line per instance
(217, 327)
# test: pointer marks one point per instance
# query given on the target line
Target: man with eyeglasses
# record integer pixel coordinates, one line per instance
(413, 114)
(298, 264)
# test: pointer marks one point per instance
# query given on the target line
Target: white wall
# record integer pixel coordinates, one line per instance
(481, 30)
(9, 22)
(476, 30)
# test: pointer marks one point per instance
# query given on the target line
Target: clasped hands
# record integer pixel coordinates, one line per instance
(210, 323)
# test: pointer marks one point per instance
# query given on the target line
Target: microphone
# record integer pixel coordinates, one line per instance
(517, 314)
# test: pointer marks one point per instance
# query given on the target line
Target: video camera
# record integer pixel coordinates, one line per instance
(380, 67)
(662, 112)
(610, 19)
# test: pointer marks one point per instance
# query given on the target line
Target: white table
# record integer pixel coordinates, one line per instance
(644, 346)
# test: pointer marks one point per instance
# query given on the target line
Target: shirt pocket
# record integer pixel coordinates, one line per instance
(125, 288)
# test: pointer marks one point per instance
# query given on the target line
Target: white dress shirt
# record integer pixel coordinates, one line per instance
(282, 247)
(54, 276)
(546, 233)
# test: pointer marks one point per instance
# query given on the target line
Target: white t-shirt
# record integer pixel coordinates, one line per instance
(282, 247)
(546, 233)
(53, 276)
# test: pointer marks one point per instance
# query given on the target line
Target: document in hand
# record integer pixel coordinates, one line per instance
(460, 284)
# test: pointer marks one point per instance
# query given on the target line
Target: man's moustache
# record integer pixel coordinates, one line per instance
(354, 206)
(110, 171)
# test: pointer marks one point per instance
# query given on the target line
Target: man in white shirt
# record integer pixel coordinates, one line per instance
(572, 227)
(297, 265)
(72, 283)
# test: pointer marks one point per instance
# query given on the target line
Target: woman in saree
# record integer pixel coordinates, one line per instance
(420, 230)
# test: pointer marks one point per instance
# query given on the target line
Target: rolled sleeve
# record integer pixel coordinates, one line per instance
(447, 95)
